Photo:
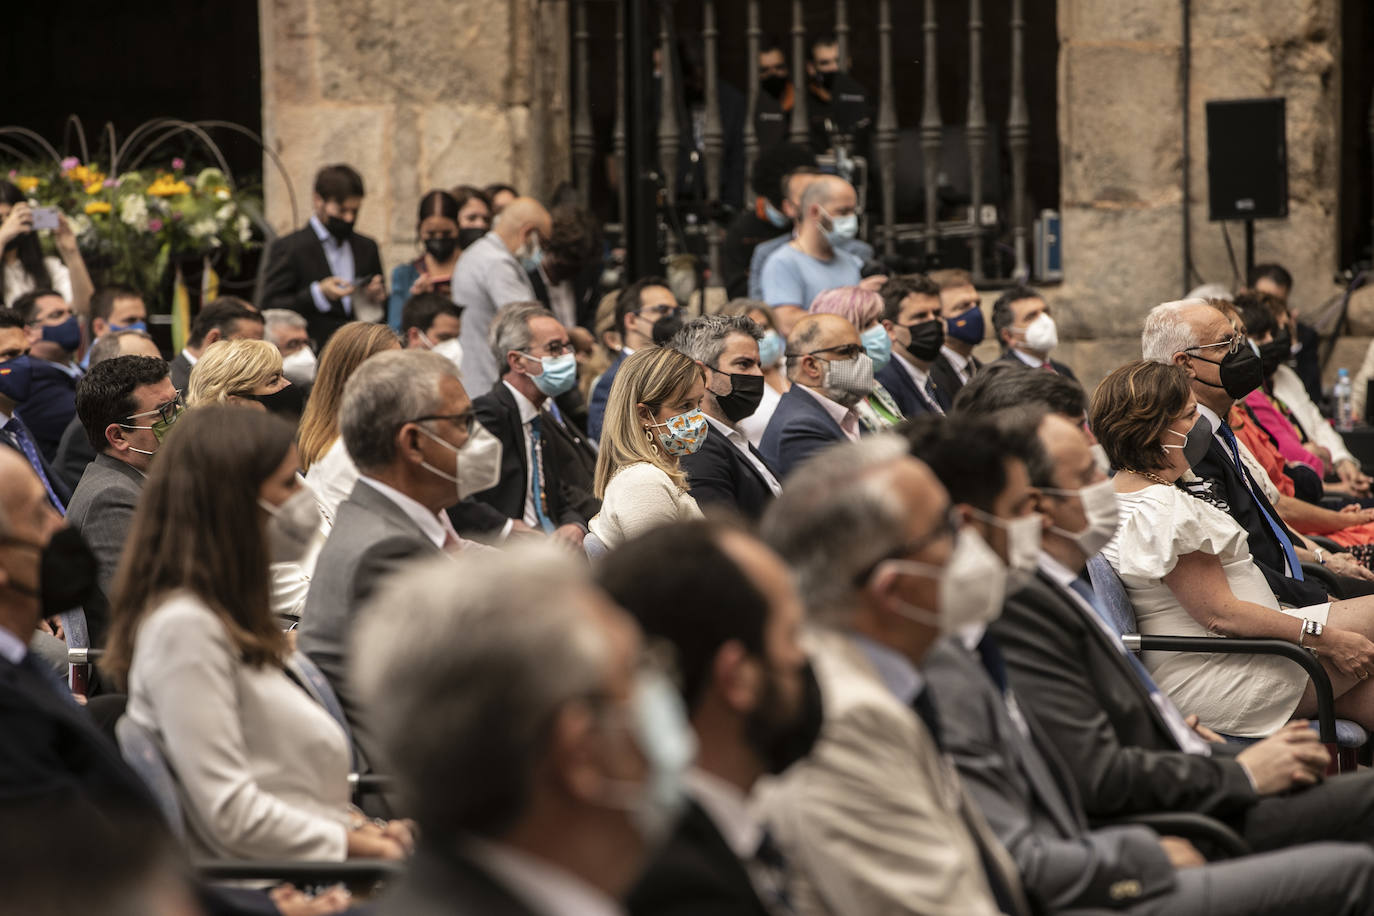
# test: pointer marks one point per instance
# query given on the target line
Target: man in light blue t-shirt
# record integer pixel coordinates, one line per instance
(813, 262)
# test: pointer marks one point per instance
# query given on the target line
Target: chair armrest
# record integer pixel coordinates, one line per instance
(1325, 576)
(83, 656)
(1321, 682)
(298, 872)
(1191, 826)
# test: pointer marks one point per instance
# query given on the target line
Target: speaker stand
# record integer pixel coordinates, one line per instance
(1249, 248)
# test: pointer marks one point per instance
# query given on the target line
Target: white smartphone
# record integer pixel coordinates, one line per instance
(44, 217)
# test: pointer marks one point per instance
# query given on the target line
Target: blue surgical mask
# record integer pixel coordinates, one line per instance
(66, 335)
(16, 378)
(131, 326)
(770, 348)
(967, 327)
(775, 216)
(559, 375)
(683, 434)
(877, 345)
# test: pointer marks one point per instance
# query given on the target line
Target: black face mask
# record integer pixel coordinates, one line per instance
(442, 247)
(289, 402)
(774, 85)
(66, 572)
(341, 229)
(827, 79)
(1275, 353)
(1241, 372)
(782, 743)
(927, 337)
(666, 327)
(1198, 442)
(746, 391)
(469, 234)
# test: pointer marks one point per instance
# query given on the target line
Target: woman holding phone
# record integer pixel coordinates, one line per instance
(23, 267)
(438, 230)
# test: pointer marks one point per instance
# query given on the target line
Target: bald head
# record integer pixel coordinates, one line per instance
(811, 335)
(520, 220)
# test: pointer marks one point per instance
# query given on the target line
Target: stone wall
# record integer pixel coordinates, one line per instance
(1121, 139)
(415, 94)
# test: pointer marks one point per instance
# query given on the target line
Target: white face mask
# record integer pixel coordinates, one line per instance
(292, 526)
(478, 461)
(1041, 335)
(451, 349)
(1100, 508)
(299, 367)
(1023, 539)
(972, 586)
(1104, 464)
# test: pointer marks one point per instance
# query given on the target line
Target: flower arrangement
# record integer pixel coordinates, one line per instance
(135, 223)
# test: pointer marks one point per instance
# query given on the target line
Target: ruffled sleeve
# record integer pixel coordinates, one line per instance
(1160, 524)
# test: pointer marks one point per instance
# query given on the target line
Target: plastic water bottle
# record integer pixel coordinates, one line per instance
(1345, 416)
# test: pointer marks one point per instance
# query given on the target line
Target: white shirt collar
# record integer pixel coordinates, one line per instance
(958, 360)
(323, 234)
(427, 521)
(1057, 571)
(918, 375)
(523, 404)
(12, 648)
(837, 412)
(728, 809)
(895, 670)
(1212, 418)
(189, 358)
(544, 887)
(741, 442)
(1033, 361)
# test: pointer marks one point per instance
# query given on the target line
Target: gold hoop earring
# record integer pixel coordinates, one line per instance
(653, 446)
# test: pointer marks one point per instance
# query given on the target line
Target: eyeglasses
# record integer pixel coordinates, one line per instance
(166, 412)
(843, 351)
(466, 419)
(552, 348)
(1232, 345)
(661, 311)
(947, 527)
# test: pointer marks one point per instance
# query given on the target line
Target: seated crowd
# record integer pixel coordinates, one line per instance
(495, 599)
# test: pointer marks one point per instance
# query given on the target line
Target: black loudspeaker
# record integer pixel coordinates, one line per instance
(1247, 159)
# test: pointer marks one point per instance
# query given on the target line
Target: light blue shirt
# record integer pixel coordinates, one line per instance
(340, 258)
(792, 277)
(857, 247)
(898, 674)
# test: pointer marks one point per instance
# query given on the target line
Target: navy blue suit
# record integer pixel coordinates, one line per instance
(60, 489)
(597, 411)
(719, 473)
(902, 387)
(798, 427)
(50, 406)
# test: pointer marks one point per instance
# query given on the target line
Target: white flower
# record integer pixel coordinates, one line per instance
(245, 229)
(201, 228)
(225, 213)
(80, 223)
(133, 211)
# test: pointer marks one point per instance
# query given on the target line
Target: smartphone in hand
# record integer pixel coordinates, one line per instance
(44, 218)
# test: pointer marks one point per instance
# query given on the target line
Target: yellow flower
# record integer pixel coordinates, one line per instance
(26, 183)
(95, 186)
(167, 186)
(97, 206)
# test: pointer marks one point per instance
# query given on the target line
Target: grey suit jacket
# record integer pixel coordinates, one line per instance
(1025, 792)
(372, 538)
(102, 509)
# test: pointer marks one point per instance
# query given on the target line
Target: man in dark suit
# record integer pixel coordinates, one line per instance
(643, 304)
(1192, 334)
(54, 334)
(538, 364)
(1128, 749)
(819, 408)
(727, 469)
(16, 385)
(126, 405)
(227, 318)
(325, 270)
(516, 709)
(405, 421)
(1021, 319)
(961, 308)
(752, 700)
(911, 315)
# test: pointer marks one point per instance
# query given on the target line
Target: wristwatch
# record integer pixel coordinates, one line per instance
(1309, 628)
(1320, 555)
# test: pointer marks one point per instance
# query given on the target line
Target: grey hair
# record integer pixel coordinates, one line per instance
(836, 517)
(460, 684)
(387, 391)
(703, 339)
(110, 345)
(510, 329)
(1211, 291)
(803, 336)
(1167, 332)
(283, 317)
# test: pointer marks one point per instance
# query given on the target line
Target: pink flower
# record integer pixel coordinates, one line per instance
(14, 173)
(111, 183)
(70, 163)
(178, 163)
(154, 225)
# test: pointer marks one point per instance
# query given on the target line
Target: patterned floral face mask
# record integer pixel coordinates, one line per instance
(683, 434)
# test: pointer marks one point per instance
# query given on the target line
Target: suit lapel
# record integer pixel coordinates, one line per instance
(378, 503)
(697, 829)
(811, 405)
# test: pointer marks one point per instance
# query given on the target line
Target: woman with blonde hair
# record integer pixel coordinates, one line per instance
(328, 469)
(245, 373)
(771, 348)
(653, 417)
(863, 308)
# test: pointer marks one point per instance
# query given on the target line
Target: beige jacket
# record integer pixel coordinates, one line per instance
(874, 820)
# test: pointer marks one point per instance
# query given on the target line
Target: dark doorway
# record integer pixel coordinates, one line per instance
(1356, 198)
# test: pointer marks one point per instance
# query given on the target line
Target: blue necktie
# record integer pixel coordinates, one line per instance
(930, 396)
(1294, 566)
(536, 478)
(20, 434)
